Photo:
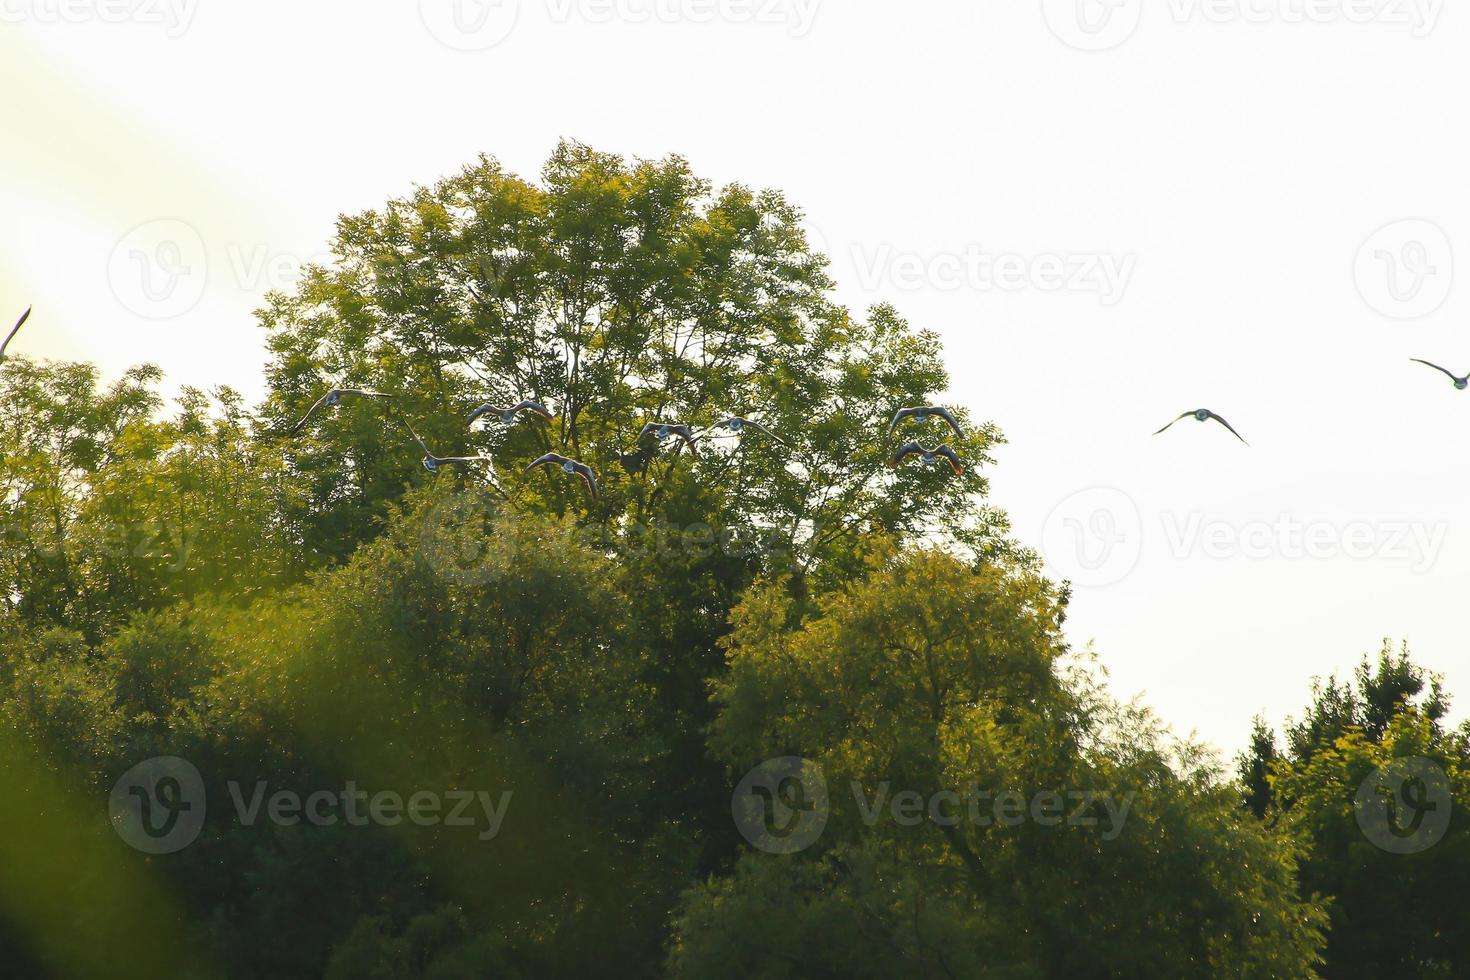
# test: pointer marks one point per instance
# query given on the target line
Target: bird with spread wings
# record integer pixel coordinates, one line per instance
(571, 467)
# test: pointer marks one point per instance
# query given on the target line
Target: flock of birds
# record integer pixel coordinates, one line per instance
(732, 427)
(685, 437)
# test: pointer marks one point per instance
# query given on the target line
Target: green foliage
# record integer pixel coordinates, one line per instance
(944, 680)
(316, 614)
(1392, 914)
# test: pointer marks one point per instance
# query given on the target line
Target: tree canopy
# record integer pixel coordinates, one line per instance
(603, 685)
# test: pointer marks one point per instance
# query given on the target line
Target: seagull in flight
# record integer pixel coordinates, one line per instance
(667, 430)
(1460, 383)
(738, 426)
(334, 398)
(929, 456)
(922, 415)
(508, 415)
(1203, 415)
(434, 463)
(14, 330)
(569, 466)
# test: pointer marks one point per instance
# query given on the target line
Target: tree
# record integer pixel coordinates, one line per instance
(936, 689)
(1390, 876)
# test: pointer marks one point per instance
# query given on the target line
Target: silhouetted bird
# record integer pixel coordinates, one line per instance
(1460, 383)
(929, 456)
(1202, 415)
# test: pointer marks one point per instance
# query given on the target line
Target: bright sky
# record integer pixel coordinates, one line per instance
(1112, 210)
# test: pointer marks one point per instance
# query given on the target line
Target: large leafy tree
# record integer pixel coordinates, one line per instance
(931, 680)
(617, 293)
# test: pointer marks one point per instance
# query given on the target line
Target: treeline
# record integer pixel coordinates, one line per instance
(476, 724)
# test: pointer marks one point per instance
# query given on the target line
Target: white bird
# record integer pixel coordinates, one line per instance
(570, 467)
(666, 430)
(334, 398)
(1460, 383)
(434, 463)
(14, 330)
(508, 415)
(738, 426)
(1203, 415)
(921, 415)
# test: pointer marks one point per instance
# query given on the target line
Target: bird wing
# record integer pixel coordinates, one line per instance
(585, 472)
(483, 410)
(954, 459)
(1174, 423)
(764, 431)
(13, 331)
(546, 460)
(416, 438)
(945, 414)
(905, 452)
(899, 416)
(530, 406)
(1228, 426)
(310, 412)
(650, 427)
(1448, 374)
(362, 393)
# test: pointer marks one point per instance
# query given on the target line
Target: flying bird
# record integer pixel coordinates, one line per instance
(738, 426)
(508, 415)
(922, 415)
(1460, 383)
(929, 456)
(1203, 415)
(667, 430)
(334, 398)
(569, 466)
(434, 463)
(14, 330)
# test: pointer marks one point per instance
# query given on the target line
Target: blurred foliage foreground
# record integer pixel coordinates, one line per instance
(444, 727)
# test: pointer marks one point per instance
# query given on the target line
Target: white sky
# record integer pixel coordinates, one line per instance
(1244, 172)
